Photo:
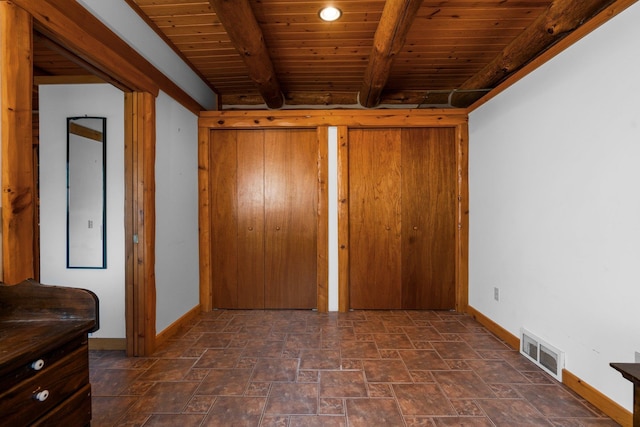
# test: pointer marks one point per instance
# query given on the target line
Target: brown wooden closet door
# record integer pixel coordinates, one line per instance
(375, 219)
(402, 218)
(250, 234)
(264, 218)
(291, 218)
(224, 263)
(428, 218)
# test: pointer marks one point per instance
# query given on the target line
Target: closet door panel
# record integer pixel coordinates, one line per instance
(429, 212)
(388, 212)
(361, 220)
(250, 202)
(375, 218)
(291, 218)
(223, 173)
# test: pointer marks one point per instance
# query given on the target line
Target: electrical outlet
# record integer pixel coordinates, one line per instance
(637, 356)
(496, 294)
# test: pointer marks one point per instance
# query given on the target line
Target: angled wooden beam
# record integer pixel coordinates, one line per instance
(558, 20)
(242, 27)
(396, 20)
(85, 132)
(80, 32)
(75, 28)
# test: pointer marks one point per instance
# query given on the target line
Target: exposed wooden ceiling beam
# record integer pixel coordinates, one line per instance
(326, 99)
(396, 20)
(434, 97)
(242, 28)
(559, 19)
(321, 99)
(295, 98)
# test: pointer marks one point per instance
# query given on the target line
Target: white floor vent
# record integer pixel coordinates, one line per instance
(542, 354)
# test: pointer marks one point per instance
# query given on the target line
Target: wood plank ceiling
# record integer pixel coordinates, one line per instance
(393, 53)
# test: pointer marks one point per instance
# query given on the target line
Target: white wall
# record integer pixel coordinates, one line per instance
(177, 260)
(332, 188)
(555, 206)
(56, 104)
(122, 20)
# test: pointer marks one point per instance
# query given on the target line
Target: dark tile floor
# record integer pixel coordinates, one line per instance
(302, 368)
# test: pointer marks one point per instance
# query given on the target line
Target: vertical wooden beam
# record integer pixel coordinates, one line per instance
(36, 212)
(323, 220)
(462, 230)
(140, 154)
(17, 156)
(204, 218)
(146, 219)
(128, 227)
(343, 219)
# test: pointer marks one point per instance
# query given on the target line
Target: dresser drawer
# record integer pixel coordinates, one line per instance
(34, 365)
(75, 411)
(27, 401)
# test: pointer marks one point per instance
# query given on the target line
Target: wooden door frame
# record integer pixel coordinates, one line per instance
(343, 119)
(99, 50)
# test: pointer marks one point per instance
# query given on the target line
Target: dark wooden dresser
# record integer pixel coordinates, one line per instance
(44, 359)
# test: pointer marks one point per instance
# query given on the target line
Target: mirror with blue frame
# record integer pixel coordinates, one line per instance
(86, 192)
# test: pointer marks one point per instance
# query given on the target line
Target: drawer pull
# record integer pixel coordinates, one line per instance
(37, 365)
(41, 396)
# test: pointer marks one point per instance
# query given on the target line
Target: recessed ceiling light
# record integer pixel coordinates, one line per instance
(330, 13)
